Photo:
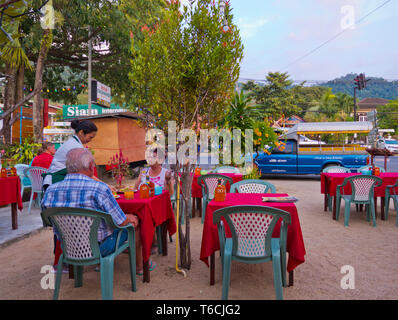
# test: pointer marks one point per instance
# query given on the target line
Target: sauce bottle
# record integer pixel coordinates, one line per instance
(144, 191)
(3, 172)
(220, 192)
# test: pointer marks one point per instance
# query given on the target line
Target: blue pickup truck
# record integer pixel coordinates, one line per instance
(298, 159)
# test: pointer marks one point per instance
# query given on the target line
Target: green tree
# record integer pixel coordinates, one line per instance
(185, 70)
(275, 98)
(388, 115)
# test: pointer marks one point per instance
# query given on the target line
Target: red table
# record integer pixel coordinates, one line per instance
(196, 190)
(330, 181)
(10, 193)
(295, 243)
(152, 212)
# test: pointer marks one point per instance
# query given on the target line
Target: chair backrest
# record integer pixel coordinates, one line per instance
(336, 169)
(366, 168)
(251, 228)
(210, 182)
(226, 169)
(362, 186)
(36, 178)
(78, 229)
(20, 169)
(253, 186)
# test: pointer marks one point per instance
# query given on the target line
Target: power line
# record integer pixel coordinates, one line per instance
(336, 36)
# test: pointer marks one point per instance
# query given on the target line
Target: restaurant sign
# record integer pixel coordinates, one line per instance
(73, 111)
(100, 94)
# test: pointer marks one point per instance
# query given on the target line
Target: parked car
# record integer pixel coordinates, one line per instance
(392, 145)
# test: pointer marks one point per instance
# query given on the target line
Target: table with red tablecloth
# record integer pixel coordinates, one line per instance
(210, 241)
(196, 190)
(330, 181)
(153, 212)
(10, 193)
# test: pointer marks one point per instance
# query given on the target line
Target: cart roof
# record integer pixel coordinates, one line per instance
(329, 127)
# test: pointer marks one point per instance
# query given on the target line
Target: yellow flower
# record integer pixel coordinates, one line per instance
(266, 135)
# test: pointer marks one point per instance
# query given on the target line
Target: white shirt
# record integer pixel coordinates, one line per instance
(59, 160)
(158, 180)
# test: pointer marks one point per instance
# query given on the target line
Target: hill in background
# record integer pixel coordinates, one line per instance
(376, 87)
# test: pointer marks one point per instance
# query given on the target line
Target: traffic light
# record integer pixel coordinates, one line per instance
(362, 80)
(358, 82)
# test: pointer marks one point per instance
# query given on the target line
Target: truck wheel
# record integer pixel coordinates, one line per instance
(331, 165)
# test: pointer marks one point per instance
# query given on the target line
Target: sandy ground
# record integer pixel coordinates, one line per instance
(372, 252)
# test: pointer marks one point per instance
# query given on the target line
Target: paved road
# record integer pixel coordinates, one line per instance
(392, 163)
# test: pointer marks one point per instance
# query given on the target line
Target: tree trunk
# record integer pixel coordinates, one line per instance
(38, 100)
(185, 209)
(9, 100)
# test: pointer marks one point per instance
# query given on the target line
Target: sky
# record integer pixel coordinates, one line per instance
(277, 33)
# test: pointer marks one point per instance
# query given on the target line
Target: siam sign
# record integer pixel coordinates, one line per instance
(100, 94)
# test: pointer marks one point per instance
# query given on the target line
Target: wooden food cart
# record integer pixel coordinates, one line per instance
(117, 132)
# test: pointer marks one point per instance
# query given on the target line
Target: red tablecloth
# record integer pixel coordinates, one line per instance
(295, 243)
(330, 181)
(197, 189)
(152, 212)
(10, 191)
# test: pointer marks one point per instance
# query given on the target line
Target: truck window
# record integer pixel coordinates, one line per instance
(289, 148)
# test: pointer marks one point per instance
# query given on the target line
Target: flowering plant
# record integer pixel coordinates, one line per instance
(119, 167)
(264, 137)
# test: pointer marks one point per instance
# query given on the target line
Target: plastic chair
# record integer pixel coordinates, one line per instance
(362, 193)
(253, 186)
(334, 169)
(391, 194)
(25, 181)
(36, 179)
(366, 168)
(226, 169)
(209, 185)
(78, 230)
(251, 229)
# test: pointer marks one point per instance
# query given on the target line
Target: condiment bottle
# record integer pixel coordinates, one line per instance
(220, 192)
(3, 172)
(144, 191)
(151, 186)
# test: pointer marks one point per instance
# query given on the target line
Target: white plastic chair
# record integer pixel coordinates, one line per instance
(36, 179)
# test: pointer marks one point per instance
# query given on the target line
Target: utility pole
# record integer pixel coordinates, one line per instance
(89, 69)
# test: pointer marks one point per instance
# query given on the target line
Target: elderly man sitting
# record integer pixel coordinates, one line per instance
(79, 190)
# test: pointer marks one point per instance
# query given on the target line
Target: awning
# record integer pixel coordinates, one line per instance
(329, 127)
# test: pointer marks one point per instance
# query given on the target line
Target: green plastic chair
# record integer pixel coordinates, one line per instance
(251, 229)
(25, 181)
(209, 185)
(366, 168)
(226, 169)
(391, 194)
(35, 175)
(362, 187)
(78, 230)
(334, 169)
(253, 186)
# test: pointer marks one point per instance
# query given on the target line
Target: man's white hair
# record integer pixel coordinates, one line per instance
(78, 159)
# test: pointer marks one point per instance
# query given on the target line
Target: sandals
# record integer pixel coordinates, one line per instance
(152, 266)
